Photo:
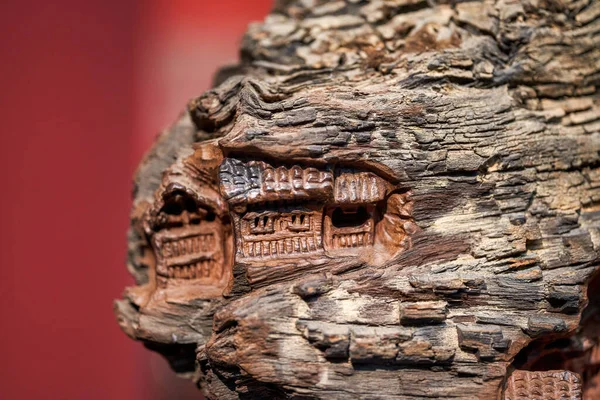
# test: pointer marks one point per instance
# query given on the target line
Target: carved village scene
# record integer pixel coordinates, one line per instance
(384, 199)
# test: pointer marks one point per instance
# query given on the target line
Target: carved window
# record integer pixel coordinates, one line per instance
(263, 224)
(181, 210)
(350, 217)
(349, 226)
(299, 223)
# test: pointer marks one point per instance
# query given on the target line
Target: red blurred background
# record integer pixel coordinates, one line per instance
(86, 86)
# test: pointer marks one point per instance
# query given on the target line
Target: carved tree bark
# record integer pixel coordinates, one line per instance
(392, 199)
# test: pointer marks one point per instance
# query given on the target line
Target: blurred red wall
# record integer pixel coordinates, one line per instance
(180, 44)
(66, 140)
(85, 86)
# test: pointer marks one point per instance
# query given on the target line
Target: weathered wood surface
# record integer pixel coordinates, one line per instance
(483, 117)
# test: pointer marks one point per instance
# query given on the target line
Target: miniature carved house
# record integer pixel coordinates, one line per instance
(279, 211)
(350, 220)
(189, 239)
(189, 229)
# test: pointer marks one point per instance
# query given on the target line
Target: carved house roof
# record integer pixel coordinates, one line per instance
(359, 187)
(258, 182)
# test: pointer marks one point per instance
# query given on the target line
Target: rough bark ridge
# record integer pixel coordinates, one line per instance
(392, 199)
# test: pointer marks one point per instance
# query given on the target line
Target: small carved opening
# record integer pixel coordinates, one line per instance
(210, 216)
(262, 224)
(349, 226)
(179, 210)
(299, 223)
(177, 203)
(343, 218)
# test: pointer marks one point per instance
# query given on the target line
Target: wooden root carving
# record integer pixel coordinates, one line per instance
(383, 200)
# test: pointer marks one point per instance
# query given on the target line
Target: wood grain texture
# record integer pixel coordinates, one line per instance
(477, 128)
